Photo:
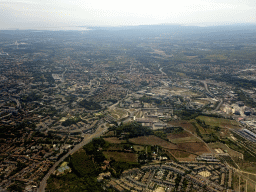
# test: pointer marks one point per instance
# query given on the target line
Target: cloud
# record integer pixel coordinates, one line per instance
(132, 12)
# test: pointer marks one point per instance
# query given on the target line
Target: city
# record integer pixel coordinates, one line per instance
(193, 96)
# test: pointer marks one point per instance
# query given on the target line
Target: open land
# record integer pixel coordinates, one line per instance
(153, 140)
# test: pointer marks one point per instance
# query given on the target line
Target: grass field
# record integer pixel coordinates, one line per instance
(138, 148)
(115, 147)
(248, 167)
(121, 156)
(109, 133)
(221, 122)
(222, 146)
(182, 155)
(152, 140)
(201, 129)
(118, 113)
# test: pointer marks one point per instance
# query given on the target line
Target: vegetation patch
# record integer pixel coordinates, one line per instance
(131, 130)
(121, 156)
(138, 148)
(114, 140)
(225, 148)
(218, 122)
(90, 105)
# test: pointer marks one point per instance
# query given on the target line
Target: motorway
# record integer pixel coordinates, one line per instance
(221, 100)
(86, 140)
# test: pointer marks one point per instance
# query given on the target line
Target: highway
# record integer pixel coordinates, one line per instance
(86, 140)
(206, 88)
(218, 106)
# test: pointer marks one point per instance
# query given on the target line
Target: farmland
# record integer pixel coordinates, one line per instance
(182, 155)
(184, 124)
(194, 147)
(182, 137)
(153, 140)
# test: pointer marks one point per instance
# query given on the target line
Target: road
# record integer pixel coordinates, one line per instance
(161, 70)
(218, 106)
(86, 140)
(113, 106)
(206, 88)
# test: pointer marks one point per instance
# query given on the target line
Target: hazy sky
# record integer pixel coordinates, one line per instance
(31, 14)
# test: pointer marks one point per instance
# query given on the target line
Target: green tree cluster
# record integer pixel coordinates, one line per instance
(90, 105)
(132, 129)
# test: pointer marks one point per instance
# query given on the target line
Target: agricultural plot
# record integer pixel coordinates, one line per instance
(182, 155)
(152, 140)
(184, 124)
(194, 147)
(182, 137)
(178, 135)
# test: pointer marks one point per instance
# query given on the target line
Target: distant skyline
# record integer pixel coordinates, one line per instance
(40, 14)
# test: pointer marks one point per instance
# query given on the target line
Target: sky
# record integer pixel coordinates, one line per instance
(36, 14)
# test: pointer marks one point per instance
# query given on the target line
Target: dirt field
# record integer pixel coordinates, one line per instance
(185, 140)
(184, 124)
(153, 140)
(178, 135)
(114, 140)
(118, 113)
(182, 137)
(194, 147)
(182, 155)
(121, 156)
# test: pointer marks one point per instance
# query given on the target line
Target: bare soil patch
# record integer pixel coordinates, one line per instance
(178, 135)
(194, 147)
(184, 124)
(153, 140)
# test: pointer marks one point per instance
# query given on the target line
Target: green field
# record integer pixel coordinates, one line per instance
(222, 146)
(220, 122)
